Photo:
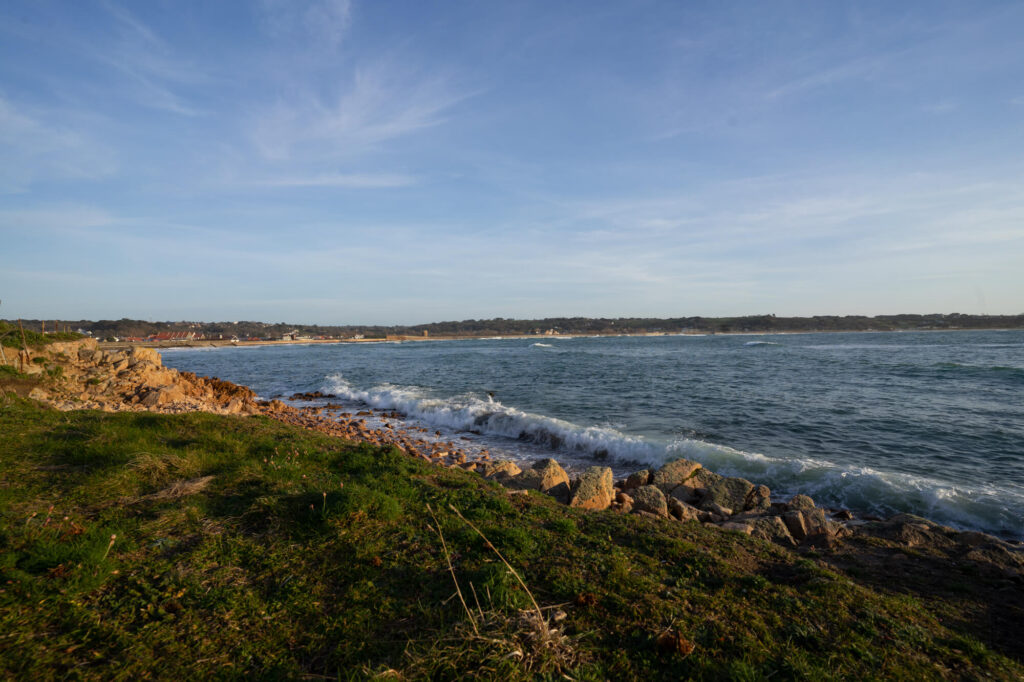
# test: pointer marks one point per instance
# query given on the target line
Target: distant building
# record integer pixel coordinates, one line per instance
(175, 336)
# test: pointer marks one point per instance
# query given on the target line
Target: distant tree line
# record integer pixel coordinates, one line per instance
(552, 325)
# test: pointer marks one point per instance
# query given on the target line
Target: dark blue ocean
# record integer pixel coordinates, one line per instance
(930, 423)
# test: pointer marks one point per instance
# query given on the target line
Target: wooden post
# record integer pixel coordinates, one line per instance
(24, 345)
(42, 327)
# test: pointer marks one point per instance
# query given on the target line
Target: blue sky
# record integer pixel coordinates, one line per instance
(405, 162)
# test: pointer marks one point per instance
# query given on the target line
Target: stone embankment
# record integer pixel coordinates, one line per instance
(81, 376)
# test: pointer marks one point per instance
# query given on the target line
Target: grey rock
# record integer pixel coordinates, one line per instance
(773, 529)
(731, 493)
(674, 473)
(744, 528)
(759, 499)
(649, 498)
(593, 490)
(795, 524)
(800, 503)
(500, 469)
(683, 511)
(637, 479)
(547, 476)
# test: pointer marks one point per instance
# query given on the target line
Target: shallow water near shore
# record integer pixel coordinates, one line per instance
(927, 423)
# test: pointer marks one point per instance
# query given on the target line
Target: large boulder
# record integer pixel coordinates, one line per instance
(501, 469)
(144, 355)
(649, 498)
(796, 525)
(773, 529)
(800, 503)
(693, 488)
(162, 396)
(547, 476)
(760, 499)
(637, 479)
(684, 511)
(674, 473)
(731, 493)
(912, 531)
(594, 489)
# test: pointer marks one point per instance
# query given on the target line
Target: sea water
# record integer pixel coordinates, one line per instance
(930, 423)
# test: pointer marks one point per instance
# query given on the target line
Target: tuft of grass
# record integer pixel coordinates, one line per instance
(248, 548)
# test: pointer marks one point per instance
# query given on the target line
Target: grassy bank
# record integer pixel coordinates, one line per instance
(13, 337)
(138, 545)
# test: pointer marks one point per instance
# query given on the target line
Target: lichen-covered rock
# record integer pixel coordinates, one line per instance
(674, 473)
(912, 531)
(686, 494)
(683, 511)
(800, 503)
(717, 511)
(795, 524)
(730, 493)
(144, 355)
(737, 527)
(649, 498)
(500, 469)
(760, 499)
(816, 521)
(593, 490)
(547, 476)
(693, 488)
(773, 529)
(637, 479)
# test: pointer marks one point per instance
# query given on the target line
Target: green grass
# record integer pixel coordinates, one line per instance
(260, 574)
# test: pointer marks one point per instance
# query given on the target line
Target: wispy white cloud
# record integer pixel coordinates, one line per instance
(855, 69)
(325, 22)
(35, 149)
(383, 102)
(156, 70)
(341, 180)
(55, 218)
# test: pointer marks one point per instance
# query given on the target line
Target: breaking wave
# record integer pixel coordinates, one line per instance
(490, 417)
(994, 509)
(762, 343)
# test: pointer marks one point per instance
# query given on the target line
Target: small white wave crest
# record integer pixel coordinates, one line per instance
(541, 345)
(995, 509)
(761, 343)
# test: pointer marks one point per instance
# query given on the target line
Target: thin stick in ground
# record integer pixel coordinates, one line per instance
(451, 569)
(540, 615)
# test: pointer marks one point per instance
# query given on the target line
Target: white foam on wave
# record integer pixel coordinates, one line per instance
(490, 417)
(762, 343)
(996, 509)
(541, 345)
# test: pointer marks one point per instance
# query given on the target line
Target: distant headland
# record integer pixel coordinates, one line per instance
(127, 330)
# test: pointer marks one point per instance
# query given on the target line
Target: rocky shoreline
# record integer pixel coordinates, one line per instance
(82, 376)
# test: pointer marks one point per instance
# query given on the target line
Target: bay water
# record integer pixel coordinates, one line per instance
(930, 423)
